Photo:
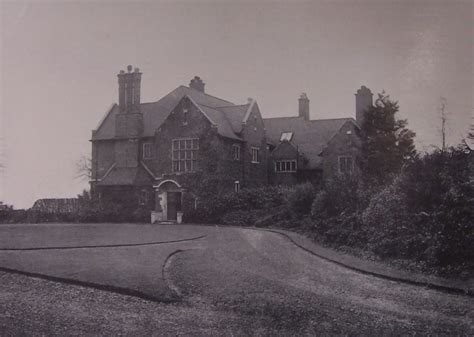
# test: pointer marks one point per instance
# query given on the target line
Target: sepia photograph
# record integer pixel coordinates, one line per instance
(237, 168)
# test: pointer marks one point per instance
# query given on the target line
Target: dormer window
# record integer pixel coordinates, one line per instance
(286, 136)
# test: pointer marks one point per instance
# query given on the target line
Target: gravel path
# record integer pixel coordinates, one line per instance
(263, 275)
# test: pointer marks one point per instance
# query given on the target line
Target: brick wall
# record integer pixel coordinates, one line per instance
(254, 134)
(345, 143)
(284, 151)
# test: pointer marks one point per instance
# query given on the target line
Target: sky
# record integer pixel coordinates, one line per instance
(59, 62)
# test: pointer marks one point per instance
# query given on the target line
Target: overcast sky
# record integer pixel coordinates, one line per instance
(59, 62)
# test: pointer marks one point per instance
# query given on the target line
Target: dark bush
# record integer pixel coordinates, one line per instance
(300, 198)
(242, 218)
(212, 209)
(426, 214)
(13, 216)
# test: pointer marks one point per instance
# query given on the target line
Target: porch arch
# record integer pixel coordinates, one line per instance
(169, 199)
(167, 182)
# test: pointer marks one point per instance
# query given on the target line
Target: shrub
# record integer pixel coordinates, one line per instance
(212, 209)
(426, 213)
(242, 218)
(300, 198)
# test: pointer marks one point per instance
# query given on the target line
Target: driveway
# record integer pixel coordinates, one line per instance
(235, 280)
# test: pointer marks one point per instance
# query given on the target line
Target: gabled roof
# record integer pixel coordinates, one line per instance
(220, 120)
(235, 115)
(311, 137)
(155, 113)
(126, 176)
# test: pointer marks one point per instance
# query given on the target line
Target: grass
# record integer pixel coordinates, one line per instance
(235, 282)
(137, 268)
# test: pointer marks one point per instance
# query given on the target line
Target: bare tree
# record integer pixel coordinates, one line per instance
(84, 168)
(443, 115)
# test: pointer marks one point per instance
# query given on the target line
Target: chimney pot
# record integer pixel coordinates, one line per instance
(197, 84)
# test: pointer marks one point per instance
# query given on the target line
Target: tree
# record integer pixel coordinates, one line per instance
(387, 142)
(443, 115)
(84, 168)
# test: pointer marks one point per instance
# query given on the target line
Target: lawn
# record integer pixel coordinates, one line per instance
(232, 281)
(128, 268)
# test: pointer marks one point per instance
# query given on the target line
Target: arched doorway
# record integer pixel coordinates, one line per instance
(168, 200)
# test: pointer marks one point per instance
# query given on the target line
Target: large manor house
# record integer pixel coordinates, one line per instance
(152, 152)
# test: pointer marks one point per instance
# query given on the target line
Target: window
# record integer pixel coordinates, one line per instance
(236, 152)
(185, 154)
(255, 155)
(143, 200)
(236, 186)
(285, 166)
(286, 136)
(147, 150)
(346, 164)
(185, 116)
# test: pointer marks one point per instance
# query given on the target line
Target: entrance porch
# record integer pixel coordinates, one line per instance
(168, 202)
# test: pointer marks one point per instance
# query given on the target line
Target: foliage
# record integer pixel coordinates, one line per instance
(300, 198)
(242, 217)
(5, 207)
(110, 210)
(427, 212)
(211, 209)
(340, 194)
(387, 141)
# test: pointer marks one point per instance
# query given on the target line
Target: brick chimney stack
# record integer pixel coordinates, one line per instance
(129, 90)
(303, 106)
(197, 84)
(363, 101)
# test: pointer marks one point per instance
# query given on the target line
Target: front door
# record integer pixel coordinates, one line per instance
(174, 205)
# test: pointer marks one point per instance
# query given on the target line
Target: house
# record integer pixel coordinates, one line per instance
(160, 156)
(314, 150)
(156, 155)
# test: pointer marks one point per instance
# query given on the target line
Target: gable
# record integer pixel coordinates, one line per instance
(285, 150)
(346, 137)
(311, 137)
(155, 113)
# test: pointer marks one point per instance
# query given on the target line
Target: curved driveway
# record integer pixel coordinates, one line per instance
(260, 277)
(263, 274)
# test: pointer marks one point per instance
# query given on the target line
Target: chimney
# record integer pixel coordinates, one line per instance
(197, 84)
(129, 90)
(363, 101)
(303, 106)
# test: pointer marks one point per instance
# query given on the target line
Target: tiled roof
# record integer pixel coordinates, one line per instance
(126, 176)
(311, 137)
(235, 114)
(220, 119)
(155, 113)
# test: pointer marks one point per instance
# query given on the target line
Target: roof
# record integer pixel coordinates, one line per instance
(226, 117)
(219, 118)
(235, 115)
(311, 137)
(126, 176)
